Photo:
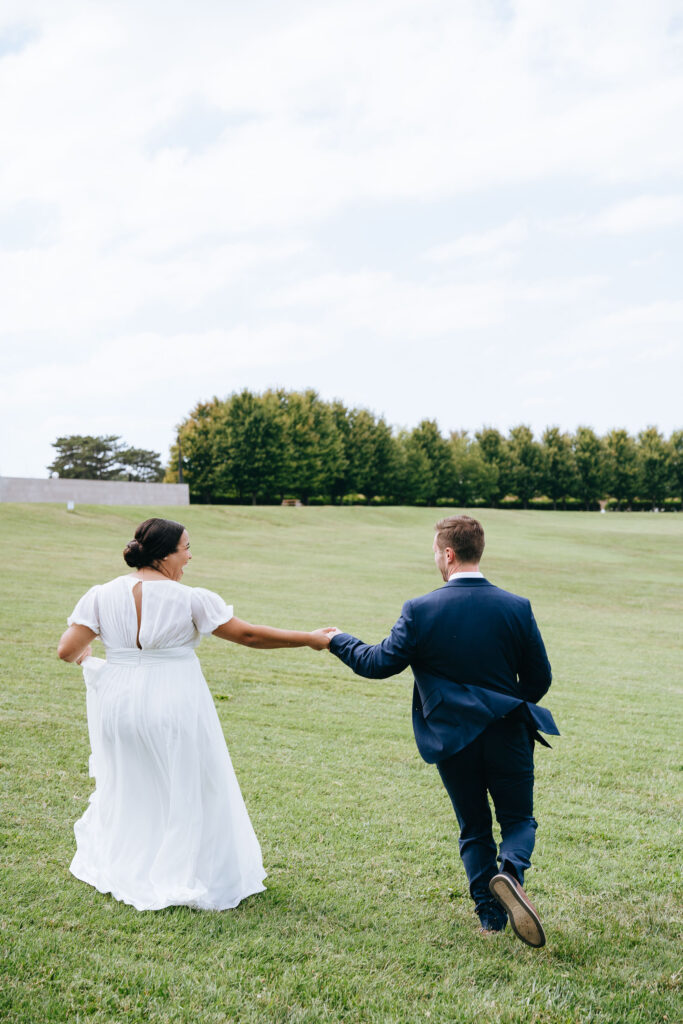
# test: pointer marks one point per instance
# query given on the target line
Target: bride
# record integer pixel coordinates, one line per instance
(166, 824)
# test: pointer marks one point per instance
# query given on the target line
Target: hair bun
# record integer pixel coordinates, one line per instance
(154, 540)
(133, 554)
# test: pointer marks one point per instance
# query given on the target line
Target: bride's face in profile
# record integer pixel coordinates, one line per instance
(178, 559)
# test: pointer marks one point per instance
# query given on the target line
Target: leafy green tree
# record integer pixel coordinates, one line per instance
(360, 449)
(197, 435)
(557, 465)
(249, 448)
(676, 465)
(382, 471)
(141, 464)
(474, 479)
(343, 483)
(83, 457)
(370, 454)
(494, 449)
(621, 466)
(589, 456)
(394, 485)
(438, 479)
(417, 482)
(315, 447)
(653, 464)
(525, 463)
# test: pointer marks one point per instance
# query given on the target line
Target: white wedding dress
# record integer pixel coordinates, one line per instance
(166, 824)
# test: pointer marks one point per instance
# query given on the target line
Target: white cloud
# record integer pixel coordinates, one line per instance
(643, 213)
(637, 214)
(148, 366)
(653, 331)
(483, 243)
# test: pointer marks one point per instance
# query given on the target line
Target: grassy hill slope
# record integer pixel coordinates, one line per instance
(366, 917)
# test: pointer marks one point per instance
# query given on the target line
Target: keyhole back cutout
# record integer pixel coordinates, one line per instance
(137, 597)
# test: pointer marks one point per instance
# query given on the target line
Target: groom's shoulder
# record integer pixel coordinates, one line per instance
(413, 605)
(484, 590)
(432, 597)
(494, 593)
(509, 603)
(509, 595)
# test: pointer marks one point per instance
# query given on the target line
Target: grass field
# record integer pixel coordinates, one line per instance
(366, 917)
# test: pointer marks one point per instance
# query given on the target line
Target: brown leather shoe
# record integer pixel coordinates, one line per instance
(521, 912)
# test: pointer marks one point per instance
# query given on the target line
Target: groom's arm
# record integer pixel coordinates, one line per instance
(377, 661)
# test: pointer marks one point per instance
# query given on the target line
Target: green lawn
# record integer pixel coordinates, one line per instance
(366, 917)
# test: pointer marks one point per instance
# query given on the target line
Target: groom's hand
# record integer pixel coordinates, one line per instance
(320, 638)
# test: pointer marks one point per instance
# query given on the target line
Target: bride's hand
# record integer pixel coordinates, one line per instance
(87, 653)
(320, 638)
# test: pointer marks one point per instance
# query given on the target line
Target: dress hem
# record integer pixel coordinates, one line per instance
(90, 878)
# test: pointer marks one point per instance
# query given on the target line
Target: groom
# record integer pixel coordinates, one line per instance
(480, 666)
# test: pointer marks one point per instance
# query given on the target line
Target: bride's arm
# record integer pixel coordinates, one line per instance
(75, 643)
(268, 638)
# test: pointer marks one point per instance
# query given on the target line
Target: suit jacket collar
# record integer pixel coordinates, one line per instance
(468, 581)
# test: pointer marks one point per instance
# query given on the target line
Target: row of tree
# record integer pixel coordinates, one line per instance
(83, 457)
(265, 447)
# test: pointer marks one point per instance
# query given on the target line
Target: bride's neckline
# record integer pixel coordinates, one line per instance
(141, 579)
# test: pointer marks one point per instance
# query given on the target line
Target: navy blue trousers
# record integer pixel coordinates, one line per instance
(499, 762)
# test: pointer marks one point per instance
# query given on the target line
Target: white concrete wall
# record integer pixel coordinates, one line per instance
(92, 492)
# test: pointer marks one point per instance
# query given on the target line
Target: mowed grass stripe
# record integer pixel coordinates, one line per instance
(366, 917)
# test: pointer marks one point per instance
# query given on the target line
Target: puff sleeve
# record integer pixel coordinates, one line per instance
(209, 610)
(86, 612)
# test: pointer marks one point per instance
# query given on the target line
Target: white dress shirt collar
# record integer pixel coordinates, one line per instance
(466, 576)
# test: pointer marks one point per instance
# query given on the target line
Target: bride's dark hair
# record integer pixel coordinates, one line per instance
(154, 539)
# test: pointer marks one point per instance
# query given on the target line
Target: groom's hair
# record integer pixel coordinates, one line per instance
(462, 533)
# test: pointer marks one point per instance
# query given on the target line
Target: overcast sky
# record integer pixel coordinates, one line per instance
(467, 211)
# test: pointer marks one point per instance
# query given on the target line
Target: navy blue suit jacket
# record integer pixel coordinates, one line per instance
(476, 655)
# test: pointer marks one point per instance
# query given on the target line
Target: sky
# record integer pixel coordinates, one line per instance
(463, 211)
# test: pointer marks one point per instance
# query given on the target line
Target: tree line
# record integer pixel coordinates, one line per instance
(291, 444)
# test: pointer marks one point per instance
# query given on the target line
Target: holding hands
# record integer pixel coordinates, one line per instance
(320, 638)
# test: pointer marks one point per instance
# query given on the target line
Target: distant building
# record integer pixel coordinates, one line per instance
(91, 492)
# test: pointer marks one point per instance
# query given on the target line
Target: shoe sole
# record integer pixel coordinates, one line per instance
(523, 920)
